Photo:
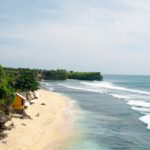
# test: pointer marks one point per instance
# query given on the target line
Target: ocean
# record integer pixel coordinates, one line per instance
(113, 114)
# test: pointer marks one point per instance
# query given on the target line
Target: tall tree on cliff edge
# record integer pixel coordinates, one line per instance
(26, 81)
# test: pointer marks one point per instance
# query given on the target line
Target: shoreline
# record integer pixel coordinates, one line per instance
(50, 125)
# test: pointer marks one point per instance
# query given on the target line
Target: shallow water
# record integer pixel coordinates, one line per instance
(110, 112)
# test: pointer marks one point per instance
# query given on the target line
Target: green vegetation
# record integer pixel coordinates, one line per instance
(63, 75)
(85, 76)
(57, 74)
(54, 74)
(12, 80)
(6, 97)
(26, 81)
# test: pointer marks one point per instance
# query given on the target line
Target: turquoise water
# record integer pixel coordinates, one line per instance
(114, 114)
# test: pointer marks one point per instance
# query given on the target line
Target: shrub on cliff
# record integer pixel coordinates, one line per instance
(85, 76)
(55, 74)
(6, 95)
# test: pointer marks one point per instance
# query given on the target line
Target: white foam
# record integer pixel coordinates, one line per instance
(79, 88)
(138, 97)
(146, 120)
(51, 89)
(109, 85)
(141, 109)
(42, 82)
(120, 96)
(139, 103)
(45, 84)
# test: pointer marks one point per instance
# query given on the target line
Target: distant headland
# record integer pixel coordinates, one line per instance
(59, 74)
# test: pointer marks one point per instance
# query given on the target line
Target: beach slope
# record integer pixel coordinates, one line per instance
(49, 126)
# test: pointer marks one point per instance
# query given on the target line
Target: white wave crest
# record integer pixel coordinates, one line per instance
(78, 88)
(139, 103)
(146, 120)
(141, 109)
(120, 96)
(108, 85)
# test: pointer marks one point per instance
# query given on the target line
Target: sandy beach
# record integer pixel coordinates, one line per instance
(49, 127)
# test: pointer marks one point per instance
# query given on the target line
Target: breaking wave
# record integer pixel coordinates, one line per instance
(108, 85)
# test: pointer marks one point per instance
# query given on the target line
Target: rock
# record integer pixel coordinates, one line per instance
(25, 116)
(37, 115)
(10, 126)
(4, 142)
(43, 104)
(3, 119)
(2, 127)
(3, 136)
(23, 124)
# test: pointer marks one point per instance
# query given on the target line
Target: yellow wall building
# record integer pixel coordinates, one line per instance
(19, 102)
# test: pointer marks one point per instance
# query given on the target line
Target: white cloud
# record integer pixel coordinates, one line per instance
(97, 34)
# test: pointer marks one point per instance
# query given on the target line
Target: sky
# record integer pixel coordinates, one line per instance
(110, 36)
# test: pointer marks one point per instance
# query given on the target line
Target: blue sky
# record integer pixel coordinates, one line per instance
(111, 36)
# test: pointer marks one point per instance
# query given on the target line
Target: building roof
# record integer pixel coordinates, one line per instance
(21, 95)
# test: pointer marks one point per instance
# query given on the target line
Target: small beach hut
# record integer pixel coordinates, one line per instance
(19, 103)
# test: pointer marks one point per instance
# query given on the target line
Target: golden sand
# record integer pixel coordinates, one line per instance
(49, 127)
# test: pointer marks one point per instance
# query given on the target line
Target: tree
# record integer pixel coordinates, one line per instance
(86, 76)
(6, 96)
(26, 81)
(1, 72)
